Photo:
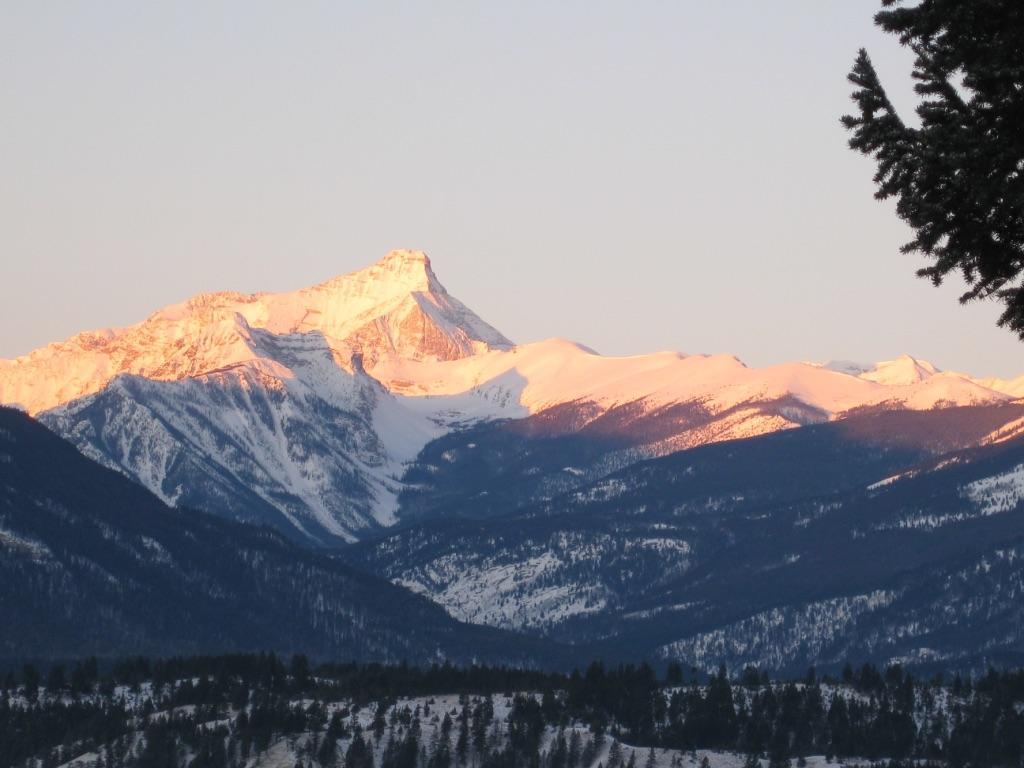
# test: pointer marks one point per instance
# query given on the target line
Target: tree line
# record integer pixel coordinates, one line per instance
(221, 711)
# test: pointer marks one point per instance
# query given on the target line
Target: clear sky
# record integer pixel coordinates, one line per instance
(633, 175)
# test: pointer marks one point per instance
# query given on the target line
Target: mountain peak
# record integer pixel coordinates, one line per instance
(405, 258)
(395, 307)
(397, 273)
(398, 307)
(405, 269)
(902, 371)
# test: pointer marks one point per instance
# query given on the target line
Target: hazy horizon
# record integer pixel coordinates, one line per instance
(634, 178)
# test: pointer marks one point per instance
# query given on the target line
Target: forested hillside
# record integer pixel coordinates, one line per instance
(263, 711)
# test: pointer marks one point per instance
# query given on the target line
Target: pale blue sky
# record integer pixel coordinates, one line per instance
(636, 175)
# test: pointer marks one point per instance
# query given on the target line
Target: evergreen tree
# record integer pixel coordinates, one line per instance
(958, 179)
(575, 750)
(674, 673)
(327, 755)
(441, 757)
(558, 755)
(299, 670)
(590, 750)
(483, 713)
(615, 755)
(358, 754)
(84, 675)
(379, 721)
(30, 681)
(750, 677)
(462, 740)
(160, 749)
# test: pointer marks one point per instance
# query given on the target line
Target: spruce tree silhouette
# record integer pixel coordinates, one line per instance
(958, 177)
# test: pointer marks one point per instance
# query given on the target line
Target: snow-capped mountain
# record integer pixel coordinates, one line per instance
(394, 307)
(906, 370)
(305, 409)
(902, 371)
(260, 406)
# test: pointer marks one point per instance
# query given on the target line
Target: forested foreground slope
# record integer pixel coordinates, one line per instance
(257, 711)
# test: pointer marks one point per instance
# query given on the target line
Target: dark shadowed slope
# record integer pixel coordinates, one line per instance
(91, 563)
(876, 537)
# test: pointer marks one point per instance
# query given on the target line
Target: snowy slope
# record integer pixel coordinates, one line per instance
(294, 748)
(902, 371)
(557, 371)
(289, 432)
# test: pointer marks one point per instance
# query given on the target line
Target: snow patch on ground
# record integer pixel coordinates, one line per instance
(996, 494)
(773, 637)
(24, 545)
(505, 594)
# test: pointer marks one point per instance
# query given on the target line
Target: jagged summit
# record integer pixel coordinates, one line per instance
(399, 270)
(405, 256)
(395, 307)
(406, 261)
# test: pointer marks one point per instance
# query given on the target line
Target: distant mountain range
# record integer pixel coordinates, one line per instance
(305, 409)
(664, 505)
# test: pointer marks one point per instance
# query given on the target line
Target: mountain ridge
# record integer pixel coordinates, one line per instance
(312, 404)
